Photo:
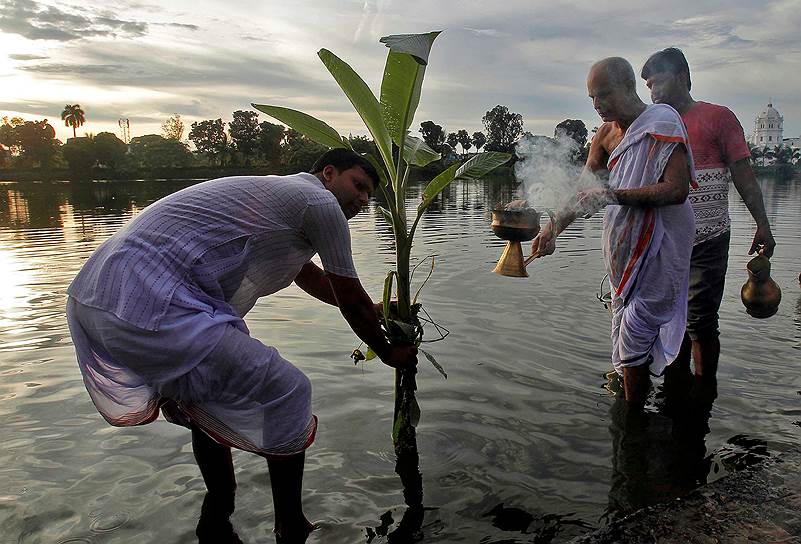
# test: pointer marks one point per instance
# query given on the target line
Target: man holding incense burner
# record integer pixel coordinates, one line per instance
(648, 223)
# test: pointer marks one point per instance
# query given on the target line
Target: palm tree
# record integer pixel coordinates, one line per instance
(73, 116)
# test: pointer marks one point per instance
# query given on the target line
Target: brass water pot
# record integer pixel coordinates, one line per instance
(760, 294)
(515, 226)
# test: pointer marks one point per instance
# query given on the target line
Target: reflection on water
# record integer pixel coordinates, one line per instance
(520, 444)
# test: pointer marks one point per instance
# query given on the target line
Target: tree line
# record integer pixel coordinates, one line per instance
(245, 144)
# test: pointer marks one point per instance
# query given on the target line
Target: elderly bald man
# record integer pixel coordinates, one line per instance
(648, 224)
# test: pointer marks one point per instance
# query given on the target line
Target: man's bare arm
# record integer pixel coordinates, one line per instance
(744, 180)
(358, 310)
(672, 189)
(314, 281)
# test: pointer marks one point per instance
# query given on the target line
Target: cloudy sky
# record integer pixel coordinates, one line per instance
(204, 59)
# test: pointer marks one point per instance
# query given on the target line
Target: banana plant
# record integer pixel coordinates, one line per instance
(388, 120)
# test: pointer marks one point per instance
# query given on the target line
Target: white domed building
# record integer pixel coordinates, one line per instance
(768, 128)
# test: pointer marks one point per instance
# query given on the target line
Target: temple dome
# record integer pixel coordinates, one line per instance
(769, 112)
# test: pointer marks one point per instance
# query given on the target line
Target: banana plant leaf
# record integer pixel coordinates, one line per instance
(309, 126)
(363, 100)
(417, 152)
(416, 45)
(474, 168)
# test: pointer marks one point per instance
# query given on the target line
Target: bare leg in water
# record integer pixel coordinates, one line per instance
(678, 377)
(705, 354)
(217, 469)
(636, 381)
(286, 480)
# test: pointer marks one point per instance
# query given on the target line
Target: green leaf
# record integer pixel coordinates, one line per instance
(406, 331)
(480, 165)
(400, 423)
(382, 172)
(415, 415)
(387, 298)
(363, 100)
(386, 213)
(370, 355)
(435, 187)
(417, 152)
(317, 130)
(434, 362)
(416, 45)
(400, 93)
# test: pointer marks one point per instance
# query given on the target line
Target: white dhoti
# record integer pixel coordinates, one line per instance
(201, 370)
(647, 250)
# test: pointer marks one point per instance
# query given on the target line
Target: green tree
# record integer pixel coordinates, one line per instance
(268, 146)
(767, 153)
(9, 140)
(756, 153)
(479, 140)
(503, 129)
(153, 151)
(452, 139)
(783, 159)
(244, 129)
(299, 151)
(80, 156)
(572, 128)
(73, 116)
(464, 140)
(173, 128)
(109, 150)
(433, 135)
(363, 144)
(210, 139)
(37, 142)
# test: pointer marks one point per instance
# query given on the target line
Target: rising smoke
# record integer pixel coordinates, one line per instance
(549, 171)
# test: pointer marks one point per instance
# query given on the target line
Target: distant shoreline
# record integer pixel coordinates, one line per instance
(189, 173)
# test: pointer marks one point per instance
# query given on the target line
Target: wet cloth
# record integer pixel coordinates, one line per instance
(242, 393)
(717, 141)
(647, 250)
(156, 312)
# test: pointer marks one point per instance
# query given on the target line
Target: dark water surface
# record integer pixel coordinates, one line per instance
(522, 442)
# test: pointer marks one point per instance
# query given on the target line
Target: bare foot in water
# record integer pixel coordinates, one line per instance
(292, 533)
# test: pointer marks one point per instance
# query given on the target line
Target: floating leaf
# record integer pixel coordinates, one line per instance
(435, 363)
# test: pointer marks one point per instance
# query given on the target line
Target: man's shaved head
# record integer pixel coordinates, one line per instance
(612, 86)
(618, 70)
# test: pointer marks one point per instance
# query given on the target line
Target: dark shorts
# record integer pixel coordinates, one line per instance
(707, 278)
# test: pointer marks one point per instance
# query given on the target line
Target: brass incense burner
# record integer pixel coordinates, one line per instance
(515, 223)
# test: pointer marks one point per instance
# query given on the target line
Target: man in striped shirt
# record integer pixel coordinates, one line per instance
(721, 156)
(156, 316)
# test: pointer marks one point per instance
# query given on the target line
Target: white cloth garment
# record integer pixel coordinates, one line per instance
(647, 250)
(156, 313)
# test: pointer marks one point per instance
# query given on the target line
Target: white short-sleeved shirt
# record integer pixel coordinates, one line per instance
(217, 246)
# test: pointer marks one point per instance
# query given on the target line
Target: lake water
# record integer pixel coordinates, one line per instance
(522, 442)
